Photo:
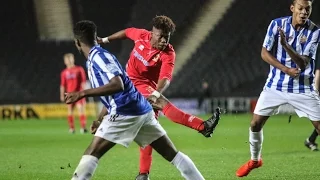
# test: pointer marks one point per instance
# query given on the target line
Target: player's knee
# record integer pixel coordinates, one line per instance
(256, 125)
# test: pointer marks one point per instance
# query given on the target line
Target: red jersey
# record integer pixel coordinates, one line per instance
(147, 64)
(72, 78)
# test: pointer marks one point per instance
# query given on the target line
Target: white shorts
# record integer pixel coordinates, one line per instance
(120, 129)
(304, 104)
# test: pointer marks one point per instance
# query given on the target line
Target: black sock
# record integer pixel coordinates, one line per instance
(313, 136)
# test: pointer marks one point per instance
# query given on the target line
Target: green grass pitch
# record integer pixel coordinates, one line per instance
(43, 150)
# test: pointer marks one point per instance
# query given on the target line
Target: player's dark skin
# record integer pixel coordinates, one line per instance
(99, 146)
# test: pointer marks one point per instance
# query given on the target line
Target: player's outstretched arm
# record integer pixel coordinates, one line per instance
(115, 85)
(118, 35)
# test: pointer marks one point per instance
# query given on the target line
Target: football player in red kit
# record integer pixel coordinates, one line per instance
(150, 68)
(73, 78)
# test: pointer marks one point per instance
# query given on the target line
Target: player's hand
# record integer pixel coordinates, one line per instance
(152, 99)
(293, 72)
(283, 40)
(94, 126)
(156, 106)
(99, 40)
(62, 98)
(72, 97)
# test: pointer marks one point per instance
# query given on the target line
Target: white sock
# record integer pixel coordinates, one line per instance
(86, 168)
(255, 139)
(186, 167)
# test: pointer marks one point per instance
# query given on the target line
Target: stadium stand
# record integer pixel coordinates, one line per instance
(30, 69)
(229, 58)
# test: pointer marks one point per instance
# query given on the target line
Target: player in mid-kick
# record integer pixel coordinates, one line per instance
(150, 68)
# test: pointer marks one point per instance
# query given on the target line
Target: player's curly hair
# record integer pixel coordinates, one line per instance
(164, 23)
(294, 1)
(85, 31)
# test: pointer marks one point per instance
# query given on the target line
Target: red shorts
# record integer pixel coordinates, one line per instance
(80, 102)
(146, 90)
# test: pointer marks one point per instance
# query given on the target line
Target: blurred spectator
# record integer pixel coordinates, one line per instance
(205, 92)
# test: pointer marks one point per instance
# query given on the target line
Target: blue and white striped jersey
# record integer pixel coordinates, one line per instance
(304, 42)
(103, 66)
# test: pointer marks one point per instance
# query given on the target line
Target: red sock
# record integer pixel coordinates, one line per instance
(180, 117)
(145, 159)
(83, 121)
(70, 122)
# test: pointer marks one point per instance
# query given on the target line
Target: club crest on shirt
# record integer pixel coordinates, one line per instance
(303, 39)
(156, 58)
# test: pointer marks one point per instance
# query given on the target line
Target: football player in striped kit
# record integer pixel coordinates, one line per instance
(290, 48)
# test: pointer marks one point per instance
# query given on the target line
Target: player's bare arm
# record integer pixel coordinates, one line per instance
(114, 86)
(162, 85)
(62, 91)
(270, 59)
(317, 79)
(166, 72)
(118, 35)
(95, 124)
(301, 61)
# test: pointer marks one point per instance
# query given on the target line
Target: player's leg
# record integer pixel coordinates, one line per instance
(310, 142)
(81, 105)
(178, 116)
(70, 118)
(90, 158)
(182, 162)
(308, 105)
(268, 101)
(255, 141)
(114, 129)
(145, 160)
(152, 132)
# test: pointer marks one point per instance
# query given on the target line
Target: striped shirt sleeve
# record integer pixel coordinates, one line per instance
(312, 45)
(270, 36)
(107, 65)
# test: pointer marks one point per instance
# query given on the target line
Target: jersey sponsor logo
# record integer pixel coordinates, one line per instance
(140, 58)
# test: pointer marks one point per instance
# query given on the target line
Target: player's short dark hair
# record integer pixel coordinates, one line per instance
(294, 1)
(164, 23)
(85, 31)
